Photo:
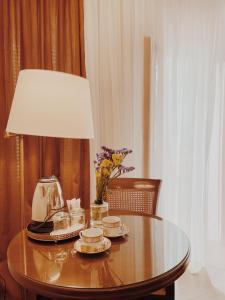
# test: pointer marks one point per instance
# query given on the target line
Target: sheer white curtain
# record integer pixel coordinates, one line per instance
(169, 110)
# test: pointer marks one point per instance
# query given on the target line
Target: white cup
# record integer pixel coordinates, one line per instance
(77, 216)
(61, 220)
(91, 235)
(112, 225)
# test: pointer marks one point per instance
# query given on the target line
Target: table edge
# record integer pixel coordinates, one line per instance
(140, 288)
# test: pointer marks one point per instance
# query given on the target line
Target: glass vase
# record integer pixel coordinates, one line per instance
(98, 211)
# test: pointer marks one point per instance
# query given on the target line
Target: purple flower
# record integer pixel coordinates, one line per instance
(109, 151)
(106, 149)
(123, 169)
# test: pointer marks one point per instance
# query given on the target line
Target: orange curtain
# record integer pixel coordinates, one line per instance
(43, 34)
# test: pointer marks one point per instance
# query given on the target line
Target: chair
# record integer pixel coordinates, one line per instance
(134, 194)
(138, 195)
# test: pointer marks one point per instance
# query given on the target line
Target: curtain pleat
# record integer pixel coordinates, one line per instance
(9, 151)
(43, 34)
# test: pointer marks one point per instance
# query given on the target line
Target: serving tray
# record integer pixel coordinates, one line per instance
(57, 235)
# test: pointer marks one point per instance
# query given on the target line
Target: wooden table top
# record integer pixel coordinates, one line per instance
(153, 255)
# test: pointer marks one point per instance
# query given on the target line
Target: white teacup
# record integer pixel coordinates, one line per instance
(112, 225)
(91, 235)
(61, 220)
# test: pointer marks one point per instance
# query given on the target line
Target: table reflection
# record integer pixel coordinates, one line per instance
(49, 263)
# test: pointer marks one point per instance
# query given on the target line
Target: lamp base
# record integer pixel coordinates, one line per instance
(40, 227)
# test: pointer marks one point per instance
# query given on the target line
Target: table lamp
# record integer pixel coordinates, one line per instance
(51, 104)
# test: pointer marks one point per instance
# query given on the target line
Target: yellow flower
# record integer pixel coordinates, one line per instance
(117, 159)
(106, 171)
(106, 163)
(97, 173)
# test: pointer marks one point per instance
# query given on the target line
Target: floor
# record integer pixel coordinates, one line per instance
(196, 287)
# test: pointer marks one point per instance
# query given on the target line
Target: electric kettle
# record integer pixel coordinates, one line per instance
(47, 201)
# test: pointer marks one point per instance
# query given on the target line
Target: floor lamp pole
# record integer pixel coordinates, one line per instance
(22, 200)
(21, 174)
(22, 194)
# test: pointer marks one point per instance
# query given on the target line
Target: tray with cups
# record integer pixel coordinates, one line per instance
(113, 227)
(92, 241)
(65, 226)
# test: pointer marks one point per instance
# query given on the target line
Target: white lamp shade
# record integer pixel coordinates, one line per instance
(53, 104)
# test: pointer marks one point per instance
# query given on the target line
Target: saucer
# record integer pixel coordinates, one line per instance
(92, 248)
(124, 231)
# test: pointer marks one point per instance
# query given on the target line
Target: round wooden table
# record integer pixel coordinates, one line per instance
(153, 255)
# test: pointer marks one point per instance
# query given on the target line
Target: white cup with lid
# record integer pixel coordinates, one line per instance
(112, 225)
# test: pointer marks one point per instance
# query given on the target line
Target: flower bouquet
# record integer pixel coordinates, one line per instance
(107, 167)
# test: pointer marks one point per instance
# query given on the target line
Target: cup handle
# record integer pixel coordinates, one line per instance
(122, 227)
(80, 234)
